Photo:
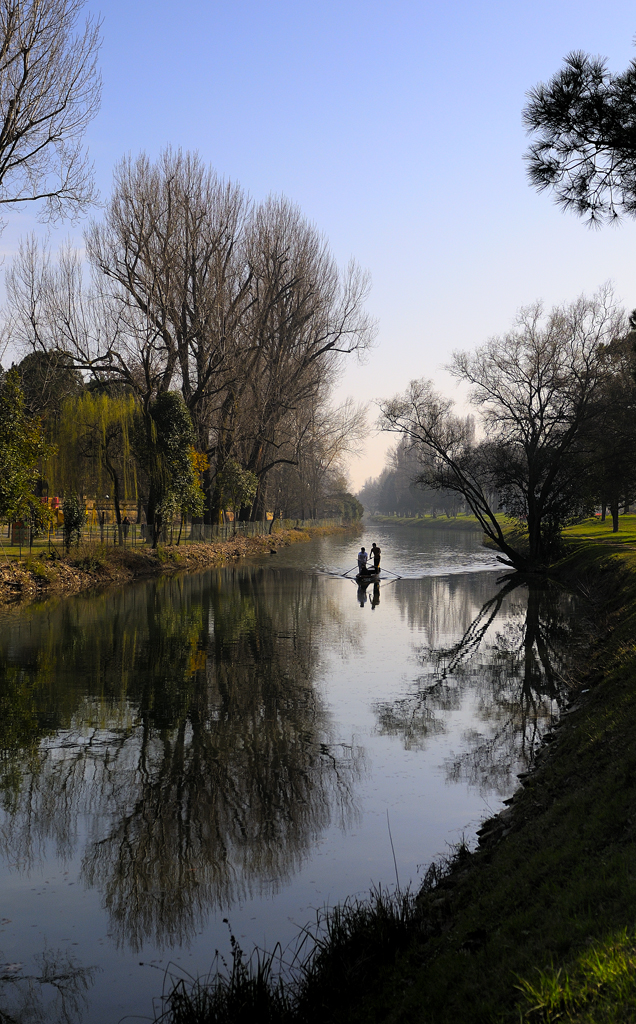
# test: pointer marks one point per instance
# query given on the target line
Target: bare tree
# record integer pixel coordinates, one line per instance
(50, 90)
(50, 310)
(166, 256)
(537, 388)
(325, 437)
(306, 315)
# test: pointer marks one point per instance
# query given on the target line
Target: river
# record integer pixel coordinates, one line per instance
(250, 743)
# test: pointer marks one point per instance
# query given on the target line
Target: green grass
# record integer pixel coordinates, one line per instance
(600, 985)
(593, 531)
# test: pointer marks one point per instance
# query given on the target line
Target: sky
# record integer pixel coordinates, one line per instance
(397, 130)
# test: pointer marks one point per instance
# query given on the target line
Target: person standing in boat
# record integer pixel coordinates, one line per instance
(375, 553)
(363, 558)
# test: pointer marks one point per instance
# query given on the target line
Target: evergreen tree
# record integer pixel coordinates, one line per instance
(22, 446)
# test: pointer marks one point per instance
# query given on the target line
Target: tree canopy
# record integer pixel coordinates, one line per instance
(584, 127)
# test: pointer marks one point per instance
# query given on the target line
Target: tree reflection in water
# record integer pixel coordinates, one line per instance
(56, 994)
(180, 723)
(513, 660)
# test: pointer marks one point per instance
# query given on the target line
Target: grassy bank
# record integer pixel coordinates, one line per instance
(95, 565)
(538, 924)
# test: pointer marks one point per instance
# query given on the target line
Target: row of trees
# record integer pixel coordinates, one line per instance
(237, 308)
(398, 490)
(200, 355)
(61, 435)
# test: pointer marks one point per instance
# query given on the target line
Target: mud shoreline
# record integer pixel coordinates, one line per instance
(89, 566)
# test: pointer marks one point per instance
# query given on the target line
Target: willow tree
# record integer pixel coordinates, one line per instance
(95, 451)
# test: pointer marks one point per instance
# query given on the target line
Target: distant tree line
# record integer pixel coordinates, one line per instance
(399, 491)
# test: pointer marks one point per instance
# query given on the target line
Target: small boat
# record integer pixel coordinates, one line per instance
(367, 577)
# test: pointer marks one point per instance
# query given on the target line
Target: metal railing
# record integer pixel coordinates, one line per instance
(139, 535)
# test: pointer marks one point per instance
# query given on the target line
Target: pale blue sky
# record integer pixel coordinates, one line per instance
(396, 128)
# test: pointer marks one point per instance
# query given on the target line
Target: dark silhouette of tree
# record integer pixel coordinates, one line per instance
(584, 149)
(538, 389)
(48, 379)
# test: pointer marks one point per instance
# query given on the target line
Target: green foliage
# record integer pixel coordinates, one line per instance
(91, 558)
(37, 568)
(237, 486)
(166, 555)
(74, 511)
(347, 506)
(94, 449)
(22, 446)
(163, 442)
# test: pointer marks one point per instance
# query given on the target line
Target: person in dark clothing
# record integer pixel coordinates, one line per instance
(375, 553)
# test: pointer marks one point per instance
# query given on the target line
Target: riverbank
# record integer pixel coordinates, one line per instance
(95, 565)
(537, 924)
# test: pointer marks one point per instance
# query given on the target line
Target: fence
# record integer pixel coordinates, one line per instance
(135, 535)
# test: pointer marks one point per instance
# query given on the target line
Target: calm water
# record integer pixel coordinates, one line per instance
(229, 744)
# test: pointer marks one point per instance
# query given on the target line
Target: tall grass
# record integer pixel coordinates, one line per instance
(344, 952)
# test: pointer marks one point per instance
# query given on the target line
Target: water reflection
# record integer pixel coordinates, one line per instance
(55, 994)
(364, 590)
(511, 659)
(175, 731)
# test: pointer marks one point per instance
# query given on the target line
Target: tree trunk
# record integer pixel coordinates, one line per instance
(614, 510)
(257, 511)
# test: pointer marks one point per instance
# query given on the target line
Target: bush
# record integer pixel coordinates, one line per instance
(74, 512)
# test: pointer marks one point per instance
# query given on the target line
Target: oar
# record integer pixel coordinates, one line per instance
(392, 573)
(349, 570)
